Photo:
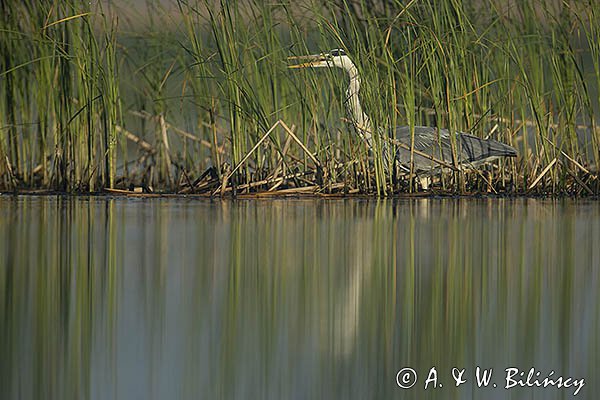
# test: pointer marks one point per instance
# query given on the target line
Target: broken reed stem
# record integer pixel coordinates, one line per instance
(260, 141)
(179, 131)
(543, 173)
(243, 160)
(166, 152)
(136, 139)
(268, 181)
(308, 153)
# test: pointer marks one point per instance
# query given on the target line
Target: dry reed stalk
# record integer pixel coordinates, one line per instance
(544, 172)
(165, 144)
(136, 139)
(257, 145)
(179, 131)
(268, 181)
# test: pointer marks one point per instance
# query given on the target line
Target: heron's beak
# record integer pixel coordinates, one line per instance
(312, 61)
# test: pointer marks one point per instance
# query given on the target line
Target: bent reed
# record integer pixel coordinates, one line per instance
(195, 96)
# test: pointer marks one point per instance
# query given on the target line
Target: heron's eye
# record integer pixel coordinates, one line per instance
(337, 52)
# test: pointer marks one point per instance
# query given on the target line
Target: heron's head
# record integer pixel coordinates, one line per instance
(334, 58)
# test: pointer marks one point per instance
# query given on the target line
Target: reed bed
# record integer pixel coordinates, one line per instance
(194, 96)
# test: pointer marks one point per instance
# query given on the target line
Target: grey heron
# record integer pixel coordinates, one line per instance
(432, 146)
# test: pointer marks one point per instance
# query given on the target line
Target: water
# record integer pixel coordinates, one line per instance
(296, 299)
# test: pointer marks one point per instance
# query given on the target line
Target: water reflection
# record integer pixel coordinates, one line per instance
(162, 298)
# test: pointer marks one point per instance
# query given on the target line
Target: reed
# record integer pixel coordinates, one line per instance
(198, 98)
(60, 98)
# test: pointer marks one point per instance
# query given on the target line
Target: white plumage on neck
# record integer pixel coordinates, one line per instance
(357, 115)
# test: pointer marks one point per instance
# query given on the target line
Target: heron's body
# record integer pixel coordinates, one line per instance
(432, 147)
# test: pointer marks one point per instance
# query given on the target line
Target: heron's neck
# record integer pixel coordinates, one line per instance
(359, 118)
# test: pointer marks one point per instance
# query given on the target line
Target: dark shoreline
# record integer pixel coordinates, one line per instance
(296, 195)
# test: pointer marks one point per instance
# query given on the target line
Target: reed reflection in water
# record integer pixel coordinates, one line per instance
(181, 298)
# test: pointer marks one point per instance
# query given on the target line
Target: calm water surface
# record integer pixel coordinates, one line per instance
(105, 298)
